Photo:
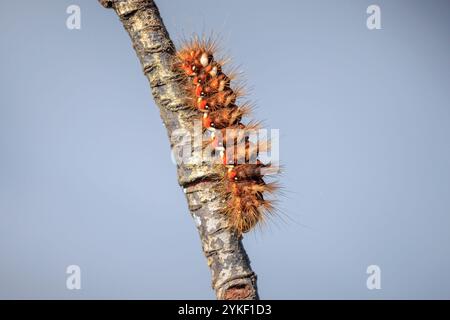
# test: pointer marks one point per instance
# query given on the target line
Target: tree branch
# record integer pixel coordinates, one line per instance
(232, 276)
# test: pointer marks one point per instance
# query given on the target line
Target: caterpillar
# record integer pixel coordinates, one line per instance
(211, 94)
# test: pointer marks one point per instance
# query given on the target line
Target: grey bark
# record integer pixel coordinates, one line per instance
(232, 276)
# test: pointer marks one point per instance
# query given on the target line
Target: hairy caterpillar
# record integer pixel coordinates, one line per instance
(210, 92)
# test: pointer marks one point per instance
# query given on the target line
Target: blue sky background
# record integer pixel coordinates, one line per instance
(364, 117)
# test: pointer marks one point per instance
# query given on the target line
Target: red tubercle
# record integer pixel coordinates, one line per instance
(206, 121)
(197, 80)
(198, 90)
(200, 78)
(208, 68)
(231, 174)
(187, 69)
(202, 104)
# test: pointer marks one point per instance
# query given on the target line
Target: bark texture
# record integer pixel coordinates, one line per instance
(232, 276)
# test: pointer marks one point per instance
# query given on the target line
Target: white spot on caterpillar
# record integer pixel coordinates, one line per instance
(213, 72)
(184, 190)
(222, 85)
(204, 59)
